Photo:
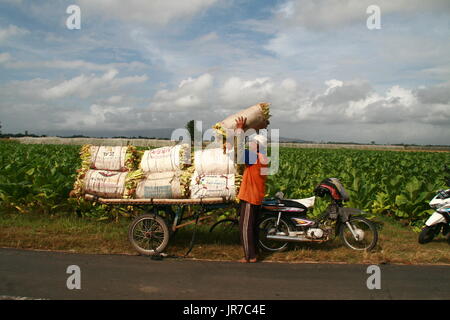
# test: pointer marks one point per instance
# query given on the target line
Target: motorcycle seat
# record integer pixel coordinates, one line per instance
(295, 203)
(307, 202)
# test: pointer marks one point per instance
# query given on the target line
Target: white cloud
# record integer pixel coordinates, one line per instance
(188, 101)
(191, 93)
(11, 31)
(85, 86)
(4, 57)
(16, 2)
(356, 102)
(24, 91)
(439, 94)
(72, 64)
(236, 91)
(154, 12)
(339, 111)
(109, 115)
(332, 84)
(197, 84)
(98, 117)
(211, 36)
(340, 102)
(328, 14)
(114, 99)
(394, 54)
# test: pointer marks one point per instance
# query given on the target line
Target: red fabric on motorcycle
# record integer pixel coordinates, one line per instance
(332, 186)
(332, 191)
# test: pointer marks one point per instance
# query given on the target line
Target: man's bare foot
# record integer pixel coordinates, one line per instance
(253, 260)
(243, 260)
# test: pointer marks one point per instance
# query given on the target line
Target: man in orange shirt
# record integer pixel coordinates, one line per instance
(251, 192)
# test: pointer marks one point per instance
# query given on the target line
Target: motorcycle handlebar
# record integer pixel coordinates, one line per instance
(447, 176)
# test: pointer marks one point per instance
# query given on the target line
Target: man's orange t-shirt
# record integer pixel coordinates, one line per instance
(253, 184)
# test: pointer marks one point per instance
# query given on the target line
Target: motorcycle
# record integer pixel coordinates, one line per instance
(285, 220)
(440, 219)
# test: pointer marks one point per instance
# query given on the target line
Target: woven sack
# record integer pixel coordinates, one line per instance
(160, 185)
(105, 183)
(213, 186)
(108, 158)
(213, 161)
(257, 118)
(165, 159)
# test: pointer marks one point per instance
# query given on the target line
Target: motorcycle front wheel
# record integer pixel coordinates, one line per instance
(267, 226)
(428, 233)
(364, 235)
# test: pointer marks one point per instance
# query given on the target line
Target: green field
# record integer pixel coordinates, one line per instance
(38, 179)
(394, 183)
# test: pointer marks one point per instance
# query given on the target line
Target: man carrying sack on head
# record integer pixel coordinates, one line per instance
(251, 192)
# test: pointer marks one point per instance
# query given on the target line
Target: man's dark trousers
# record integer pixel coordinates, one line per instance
(249, 229)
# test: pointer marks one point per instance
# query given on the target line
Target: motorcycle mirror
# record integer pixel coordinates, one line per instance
(447, 178)
(279, 195)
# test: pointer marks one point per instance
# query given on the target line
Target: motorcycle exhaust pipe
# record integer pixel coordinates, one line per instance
(292, 239)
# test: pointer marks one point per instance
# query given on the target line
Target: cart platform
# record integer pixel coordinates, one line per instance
(158, 201)
(149, 232)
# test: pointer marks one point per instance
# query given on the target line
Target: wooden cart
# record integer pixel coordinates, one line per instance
(149, 233)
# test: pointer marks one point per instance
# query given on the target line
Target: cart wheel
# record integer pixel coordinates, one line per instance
(225, 231)
(149, 234)
(227, 225)
(167, 214)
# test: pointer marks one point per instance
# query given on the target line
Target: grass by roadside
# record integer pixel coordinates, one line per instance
(397, 244)
(62, 232)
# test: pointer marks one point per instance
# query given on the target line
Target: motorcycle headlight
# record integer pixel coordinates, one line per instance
(434, 205)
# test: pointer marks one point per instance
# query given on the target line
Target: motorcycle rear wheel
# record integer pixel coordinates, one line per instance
(266, 226)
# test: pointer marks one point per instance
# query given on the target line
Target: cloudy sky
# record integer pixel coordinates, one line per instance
(148, 64)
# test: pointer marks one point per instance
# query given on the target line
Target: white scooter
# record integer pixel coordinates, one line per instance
(440, 219)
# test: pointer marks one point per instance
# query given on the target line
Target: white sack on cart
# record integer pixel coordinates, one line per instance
(214, 161)
(160, 185)
(105, 183)
(213, 186)
(165, 159)
(108, 158)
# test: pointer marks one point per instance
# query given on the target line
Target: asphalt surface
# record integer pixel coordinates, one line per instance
(42, 275)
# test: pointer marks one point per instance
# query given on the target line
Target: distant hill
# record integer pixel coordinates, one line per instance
(163, 133)
(294, 140)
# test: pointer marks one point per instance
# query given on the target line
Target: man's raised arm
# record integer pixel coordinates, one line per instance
(239, 133)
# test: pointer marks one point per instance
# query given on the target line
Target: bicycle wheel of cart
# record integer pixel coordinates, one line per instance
(225, 231)
(167, 214)
(149, 234)
(225, 225)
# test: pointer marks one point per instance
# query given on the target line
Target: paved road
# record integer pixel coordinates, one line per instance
(43, 275)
